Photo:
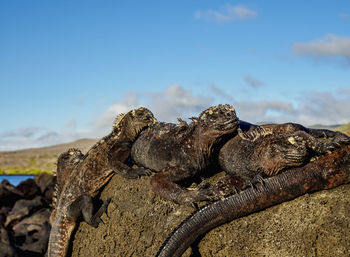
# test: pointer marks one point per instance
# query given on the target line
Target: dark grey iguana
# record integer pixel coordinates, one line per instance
(268, 149)
(80, 177)
(326, 172)
(177, 152)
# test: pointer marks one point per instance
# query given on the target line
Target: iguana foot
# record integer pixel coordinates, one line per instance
(226, 186)
(247, 184)
(258, 179)
(96, 218)
(130, 173)
(139, 172)
(189, 197)
(84, 205)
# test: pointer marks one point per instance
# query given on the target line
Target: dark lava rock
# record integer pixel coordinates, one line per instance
(4, 211)
(31, 235)
(138, 222)
(24, 216)
(9, 194)
(28, 188)
(46, 184)
(6, 250)
(24, 208)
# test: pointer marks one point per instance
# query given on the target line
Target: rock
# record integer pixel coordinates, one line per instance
(31, 235)
(4, 211)
(28, 188)
(138, 222)
(6, 250)
(9, 194)
(46, 183)
(24, 216)
(23, 208)
(315, 224)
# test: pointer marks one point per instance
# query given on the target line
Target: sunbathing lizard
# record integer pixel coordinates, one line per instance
(80, 177)
(178, 152)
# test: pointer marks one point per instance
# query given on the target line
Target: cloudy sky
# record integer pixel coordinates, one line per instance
(67, 68)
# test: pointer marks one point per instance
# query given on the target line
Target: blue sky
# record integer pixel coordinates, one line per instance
(68, 67)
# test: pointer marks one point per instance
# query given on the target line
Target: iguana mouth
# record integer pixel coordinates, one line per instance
(235, 121)
(145, 125)
(228, 125)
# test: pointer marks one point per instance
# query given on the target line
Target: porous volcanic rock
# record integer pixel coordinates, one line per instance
(138, 222)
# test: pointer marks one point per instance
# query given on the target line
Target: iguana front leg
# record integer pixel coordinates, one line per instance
(127, 172)
(316, 145)
(118, 156)
(325, 133)
(163, 184)
(84, 206)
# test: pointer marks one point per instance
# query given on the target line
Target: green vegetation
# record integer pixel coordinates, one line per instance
(23, 172)
(344, 129)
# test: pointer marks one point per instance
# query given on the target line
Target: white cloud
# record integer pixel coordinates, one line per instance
(263, 111)
(253, 82)
(329, 47)
(167, 105)
(175, 101)
(227, 13)
(26, 137)
(104, 123)
(311, 108)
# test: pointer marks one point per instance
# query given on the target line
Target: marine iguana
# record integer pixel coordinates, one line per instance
(177, 152)
(80, 177)
(326, 172)
(268, 149)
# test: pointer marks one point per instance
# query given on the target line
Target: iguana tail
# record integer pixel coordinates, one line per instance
(60, 234)
(326, 172)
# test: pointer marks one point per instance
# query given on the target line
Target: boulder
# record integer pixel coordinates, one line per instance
(28, 188)
(31, 235)
(23, 208)
(138, 222)
(46, 183)
(9, 194)
(6, 250)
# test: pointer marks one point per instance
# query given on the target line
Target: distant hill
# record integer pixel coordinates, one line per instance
(39, 159)
(315, 126)
(320, 126)
(344, 129)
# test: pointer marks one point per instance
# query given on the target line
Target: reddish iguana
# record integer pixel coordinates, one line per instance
(327, 171)
(80, 177)
(177, 152)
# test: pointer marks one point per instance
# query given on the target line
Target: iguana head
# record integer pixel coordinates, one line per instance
(69, 159)
(134, 121)
(66, 162)
(218, 120)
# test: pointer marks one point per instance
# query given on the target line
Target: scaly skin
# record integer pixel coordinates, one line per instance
(328, 171)
(177, 152)
(80, 177)
(268, 149)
